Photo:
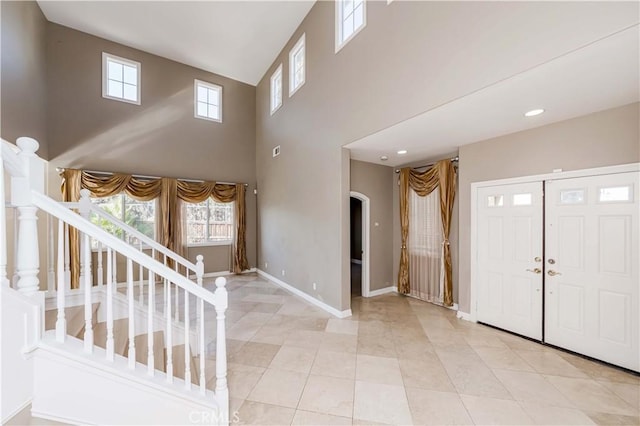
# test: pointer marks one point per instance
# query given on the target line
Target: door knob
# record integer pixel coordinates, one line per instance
(535, 270)
(553, 273)
(538, 259)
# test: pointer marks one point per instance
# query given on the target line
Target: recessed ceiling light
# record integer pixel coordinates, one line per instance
(533, 112)
(402, 152)
(384, 158)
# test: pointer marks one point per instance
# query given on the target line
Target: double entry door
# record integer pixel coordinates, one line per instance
(557, 261)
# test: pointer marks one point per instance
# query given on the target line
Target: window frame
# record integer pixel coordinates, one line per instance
(200, 83)
(277, 73)
(211, 243)
(106, 58)
(340, 43)
(300, 45)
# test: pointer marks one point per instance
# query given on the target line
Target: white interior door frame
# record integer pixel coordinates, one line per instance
(366, 229)
(472, 315)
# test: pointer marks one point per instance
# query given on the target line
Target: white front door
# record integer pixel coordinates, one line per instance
(509, 244)
(592, 281)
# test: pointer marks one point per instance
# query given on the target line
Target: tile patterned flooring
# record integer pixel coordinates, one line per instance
(401, 361)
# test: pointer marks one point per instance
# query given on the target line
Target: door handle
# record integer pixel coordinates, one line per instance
(535, 270)
(553, 273)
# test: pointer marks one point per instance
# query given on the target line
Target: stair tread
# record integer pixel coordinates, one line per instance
(142, 348)
(120, 335)
(74, 316)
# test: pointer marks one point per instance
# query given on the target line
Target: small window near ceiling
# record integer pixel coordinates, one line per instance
(209, 223)
(276, 89)
(208, 101)
(297, 66)
(351, 18)
(120, 79)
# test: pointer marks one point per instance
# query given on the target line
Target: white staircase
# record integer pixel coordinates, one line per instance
(98, 355)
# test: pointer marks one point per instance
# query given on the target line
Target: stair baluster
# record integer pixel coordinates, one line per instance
(200, 307)
(141, 284)
(203, 382)
(99, 267)
(4, 281)
(88, 307)
(67, 257)
(61, 322)
(150, 358)
(132, 331)
(169, 335)
(110, 347)
(51, 272)
(222, 390)
(177, 305)
(187, 347)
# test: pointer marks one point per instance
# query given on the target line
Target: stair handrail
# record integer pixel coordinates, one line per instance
(85, 200)
(85, 226)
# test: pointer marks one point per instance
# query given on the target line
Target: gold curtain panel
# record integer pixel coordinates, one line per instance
(442, 176)
(171, 192)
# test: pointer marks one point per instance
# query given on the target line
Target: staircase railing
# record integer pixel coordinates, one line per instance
(142, 243)
(27, 176)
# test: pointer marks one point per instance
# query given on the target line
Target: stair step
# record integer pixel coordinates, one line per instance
(74, 315)
(120, 335)
(142, 348)
(178, 365)
(209, 370)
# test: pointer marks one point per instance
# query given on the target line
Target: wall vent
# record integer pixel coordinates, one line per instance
(276, 151)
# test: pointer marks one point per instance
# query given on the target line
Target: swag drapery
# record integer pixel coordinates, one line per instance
(441, 176)
(170, 192)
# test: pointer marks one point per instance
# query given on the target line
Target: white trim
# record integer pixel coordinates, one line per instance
(224, 273)
(381, 291)
(621, 168)
(199, 83)
(210, 244)
(366, 241)
(338, 25)
(333, 311)
(277, 73)
(356, 261)
(300, 45)
(105, 72)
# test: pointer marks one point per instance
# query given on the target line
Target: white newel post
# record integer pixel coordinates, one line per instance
(85, 211)
(222, 391)
(28, 262)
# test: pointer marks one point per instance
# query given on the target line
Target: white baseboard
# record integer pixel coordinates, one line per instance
(381, 291)
(465, 316)
(224, 273)
(333, 311)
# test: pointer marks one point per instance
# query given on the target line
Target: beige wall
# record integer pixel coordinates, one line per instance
(602, 139)
(23, 88)
(161, 137)
(409, 58)
(376, 182)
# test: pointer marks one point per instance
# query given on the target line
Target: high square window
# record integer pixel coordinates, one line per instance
(351, 18)
(276, 89)
(208, 101)
(120, 79)
(297, 66)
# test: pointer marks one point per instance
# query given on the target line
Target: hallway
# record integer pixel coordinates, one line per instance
(402, 361)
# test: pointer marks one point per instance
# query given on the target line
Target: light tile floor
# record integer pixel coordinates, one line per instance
(402, 361)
